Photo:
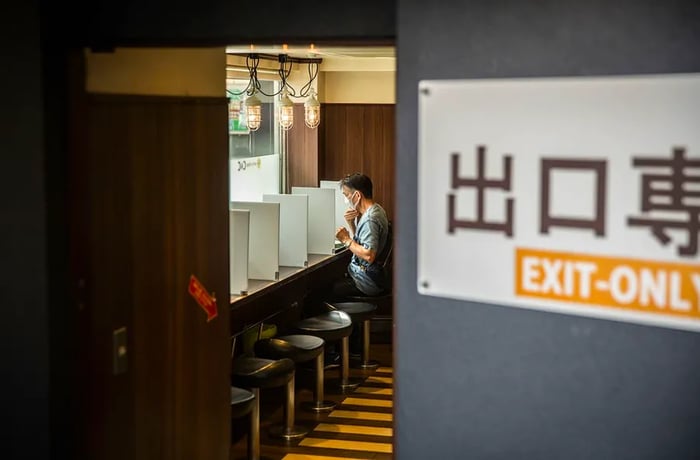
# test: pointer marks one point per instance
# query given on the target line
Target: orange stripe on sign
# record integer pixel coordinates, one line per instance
(664, 288)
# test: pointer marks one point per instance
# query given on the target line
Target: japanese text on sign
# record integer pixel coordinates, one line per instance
(570, 195)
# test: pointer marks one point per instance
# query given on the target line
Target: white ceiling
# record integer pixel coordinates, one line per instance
(313, 51)
(334, 58)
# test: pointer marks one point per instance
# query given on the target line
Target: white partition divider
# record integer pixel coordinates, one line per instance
(252, 177)
(239, 222)
(321, 218)
(340, 206)
(263, 247)
(294, 228)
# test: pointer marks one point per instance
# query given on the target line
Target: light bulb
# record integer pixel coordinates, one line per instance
(312, 111)
(253, 108)
(286, 111)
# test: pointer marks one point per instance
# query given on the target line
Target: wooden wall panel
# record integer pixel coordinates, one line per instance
(333, 152)
(360, 138)
(158, 177)
(386, 155)
(302, 152)
(108, 404)
(354, 131)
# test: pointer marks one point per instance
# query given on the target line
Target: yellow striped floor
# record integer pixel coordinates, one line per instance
(361, 427)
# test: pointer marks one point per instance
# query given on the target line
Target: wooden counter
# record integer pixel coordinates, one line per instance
(285, 298)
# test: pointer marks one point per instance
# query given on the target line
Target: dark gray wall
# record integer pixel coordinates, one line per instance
(23, 250)
(488, 382)
(222, 22)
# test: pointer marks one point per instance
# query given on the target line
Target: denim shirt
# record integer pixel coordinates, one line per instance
(371, 232)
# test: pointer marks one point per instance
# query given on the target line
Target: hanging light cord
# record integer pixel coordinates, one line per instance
(312, 70)
(252, 78)
(252, 61)
(284, 73)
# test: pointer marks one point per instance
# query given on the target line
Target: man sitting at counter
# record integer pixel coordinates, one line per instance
(366, 239)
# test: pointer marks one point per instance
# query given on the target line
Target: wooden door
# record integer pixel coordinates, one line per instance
(149, 178)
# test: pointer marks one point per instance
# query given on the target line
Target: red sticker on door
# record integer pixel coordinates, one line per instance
(203, 298)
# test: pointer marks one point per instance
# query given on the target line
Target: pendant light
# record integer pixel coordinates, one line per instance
(252, 106)
(312, 111)
(286, 111)
(253, 111)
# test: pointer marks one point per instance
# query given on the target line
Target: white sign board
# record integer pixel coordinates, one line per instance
(252, 177)
(572, 195)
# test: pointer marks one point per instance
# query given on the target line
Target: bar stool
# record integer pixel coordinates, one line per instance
(299, 348)
(258, 373)
(360, 313)
(242, 403)
(333, 326)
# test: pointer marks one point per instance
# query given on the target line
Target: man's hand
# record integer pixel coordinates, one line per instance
(350, 216)
(342, 235)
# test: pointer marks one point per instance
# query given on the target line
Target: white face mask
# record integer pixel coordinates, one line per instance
(349, 202)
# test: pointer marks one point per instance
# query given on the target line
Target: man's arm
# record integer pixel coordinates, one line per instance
(360, 251)
(367, 254)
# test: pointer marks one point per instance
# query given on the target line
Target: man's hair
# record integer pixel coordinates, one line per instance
(358, 182)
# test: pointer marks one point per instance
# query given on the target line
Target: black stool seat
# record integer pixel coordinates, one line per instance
(383, 301)
(299, 348)
(371, 298)
(361, 313)
(261, 373)
(358, 311)
(242, 401)
(257, 373)
(330, 326)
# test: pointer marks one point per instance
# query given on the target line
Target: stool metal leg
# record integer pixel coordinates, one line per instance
(345, 358)
(254, 435)
(319, 405)
(345, 382)
(366, 362)
(288, 431)
(289, 407)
